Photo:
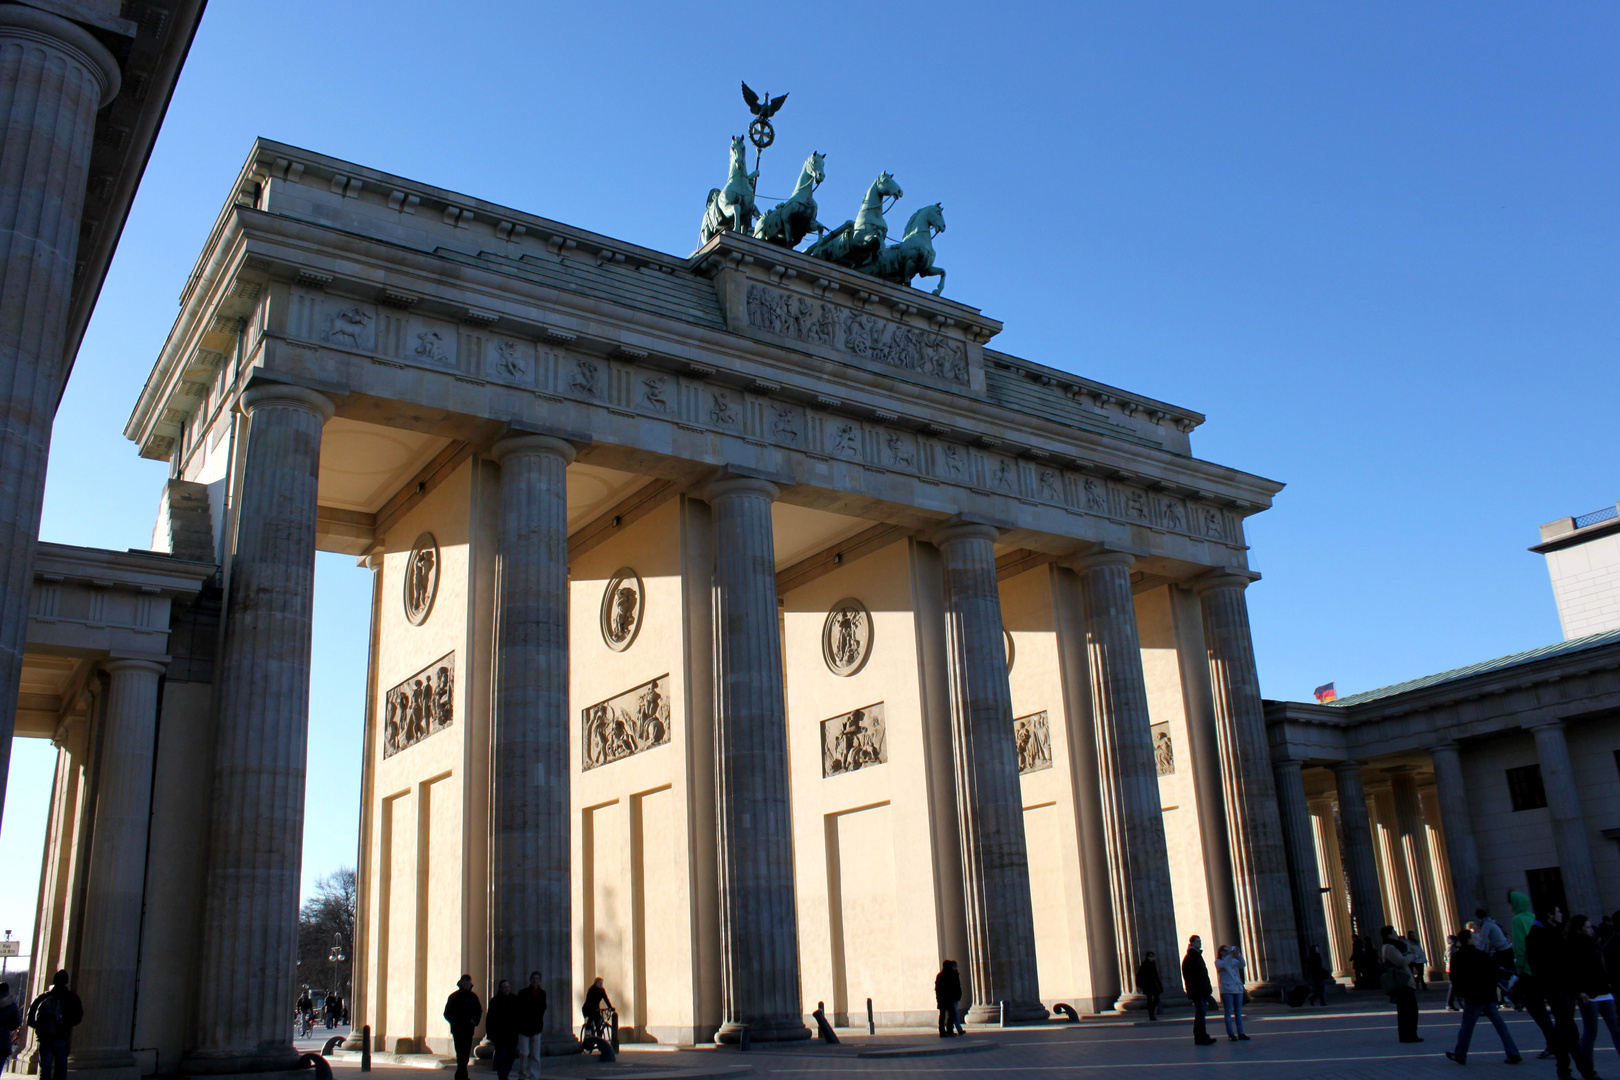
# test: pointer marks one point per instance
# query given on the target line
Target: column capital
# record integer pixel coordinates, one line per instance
(523, 445)
(1445, 746)
(1288, 763)
(733, 484)
(263, 393)
(130, 663)
(1533, 726)
(1098, 560)
(1224, 578)
(958, 529)
(17, 21)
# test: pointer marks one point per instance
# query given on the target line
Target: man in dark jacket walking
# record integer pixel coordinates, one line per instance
(463, 1011)
(53, 1016)
(1195, 980)
(1473, 975)
(501, 1026)
(1547, 955)
(1149, 983)
(947, 992)
(531, 1022)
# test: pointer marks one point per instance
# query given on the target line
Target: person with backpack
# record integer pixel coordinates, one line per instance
(53, 1016)
(1397, 982)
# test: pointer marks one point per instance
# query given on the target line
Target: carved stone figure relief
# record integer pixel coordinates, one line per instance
(510, 362)
(1172, 516)
(1049, 485)
(1212, 524)
(1164, 751)
(900, 455)
(652, 393)
(721, 411)
(623, 607)
(896, 344)
(846, 637)
(784, 424)
(421, 579)
(1034, 737)
(587, 378)
(1135, 504)
(420, 706)
(1096, 497)
(430, 347)
(350, 327)
(845, 440)
(855, 740)
(952, 456)
(1006, 475)
(624, 724)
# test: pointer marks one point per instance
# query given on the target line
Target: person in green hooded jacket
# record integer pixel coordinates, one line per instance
(1529, 994)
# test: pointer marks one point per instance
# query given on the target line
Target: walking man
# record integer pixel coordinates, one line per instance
(1526, 986)
(463, 1011)
(1149, 983)
(1473, 975)
(947, 992)
(531, 1022)
(53, 1016)
(1195, 980)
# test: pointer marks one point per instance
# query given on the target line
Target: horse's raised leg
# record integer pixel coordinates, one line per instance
(935, 271)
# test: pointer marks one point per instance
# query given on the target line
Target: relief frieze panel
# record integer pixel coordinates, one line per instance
(1033, 735)
(422, 705)
(853, 741)
(625, 724)
(858, 333)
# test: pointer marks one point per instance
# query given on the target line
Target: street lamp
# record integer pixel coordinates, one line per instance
(335, 957)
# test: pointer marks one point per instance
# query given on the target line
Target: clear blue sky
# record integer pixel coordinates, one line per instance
(1378, 244)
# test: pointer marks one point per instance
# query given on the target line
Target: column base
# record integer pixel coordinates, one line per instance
(356, 1042)
(560, 1045)
(782, 1029)
(227, 1063)
(131, 1071)
(1016, 1013)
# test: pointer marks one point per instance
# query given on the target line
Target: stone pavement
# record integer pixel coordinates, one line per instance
(1352, 1040)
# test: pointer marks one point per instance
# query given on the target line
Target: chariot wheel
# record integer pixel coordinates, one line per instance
(761, 134)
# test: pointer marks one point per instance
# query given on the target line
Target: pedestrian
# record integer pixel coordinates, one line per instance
(531, 1021)
(1451, 985)
(1524, 986)
(1317, 974)
(1229, 970)
(53, 1016)
(332, 1009)
(1594, 988)
(1195, 981)
(10, 1023)
(463, 1010)
(501, 1028)
(304, 1013)
(947, 992)
(1419, 959)
(1473, 975)
(595, 1010)
(1548, 955)
(1368, 967)
(1397, 982)
(1149, 983)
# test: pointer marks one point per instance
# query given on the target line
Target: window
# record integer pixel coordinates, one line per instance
(1524, 787)
(1546, 889)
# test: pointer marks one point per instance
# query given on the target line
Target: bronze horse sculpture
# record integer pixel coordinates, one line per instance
(792, 220)
(731, 208)
(856, 243)
(914, 255)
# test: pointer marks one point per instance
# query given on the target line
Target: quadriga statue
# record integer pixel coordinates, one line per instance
(856, 243)
(731, 207)
(914, 255)
(792, 220)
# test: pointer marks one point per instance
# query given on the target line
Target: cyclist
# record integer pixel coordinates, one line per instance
(306, 1013)
(598, 1010)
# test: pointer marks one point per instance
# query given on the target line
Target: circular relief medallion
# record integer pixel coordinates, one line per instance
(1012, 654)
(846, 637)
(421, 579)
(622, 606)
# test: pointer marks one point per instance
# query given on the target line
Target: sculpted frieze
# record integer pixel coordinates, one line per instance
(859, 333)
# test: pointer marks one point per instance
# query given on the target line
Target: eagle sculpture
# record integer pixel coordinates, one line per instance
(764, 109)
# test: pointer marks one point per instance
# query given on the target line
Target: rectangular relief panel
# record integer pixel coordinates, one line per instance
(625, 724)
(853, 740)
(1034, 736)
(422, 705)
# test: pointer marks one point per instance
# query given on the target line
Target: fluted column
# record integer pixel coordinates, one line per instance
(1568, 822)
(989, 795)
(255, 845)
(1259, 861)
(1295, 818)
(54, 77)
(759, 942)
(1414, 838)
(1462, 853)
(1331, 862)
(530, 896)
(1360, 857)
(109, 944)
(1127, 774)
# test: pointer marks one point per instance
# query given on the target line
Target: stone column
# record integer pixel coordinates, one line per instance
(1414, 838)
(1259, 860)
(1568, 822)
(1127, 776)
(109, 944)
(1455, 819)
(1360, 857)
(249, 933)
(530, 897)
(989, 795)
(759, 940)
(54, 77)
(1295, 818)
(1331, 862)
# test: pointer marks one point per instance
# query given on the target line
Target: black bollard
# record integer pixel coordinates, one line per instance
(365, 1048)
(871, 1024)
(824, 1029)
(743, 1042)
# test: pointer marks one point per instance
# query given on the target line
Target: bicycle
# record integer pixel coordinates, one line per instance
(604, 1027)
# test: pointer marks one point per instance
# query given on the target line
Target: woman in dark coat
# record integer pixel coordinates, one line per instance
(1149, 984)
(501, 1027)
(1594, 988)
(947, 992)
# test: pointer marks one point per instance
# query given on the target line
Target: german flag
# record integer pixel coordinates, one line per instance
(1325, 693)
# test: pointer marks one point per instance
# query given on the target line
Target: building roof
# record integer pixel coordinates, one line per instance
(1545, 652)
